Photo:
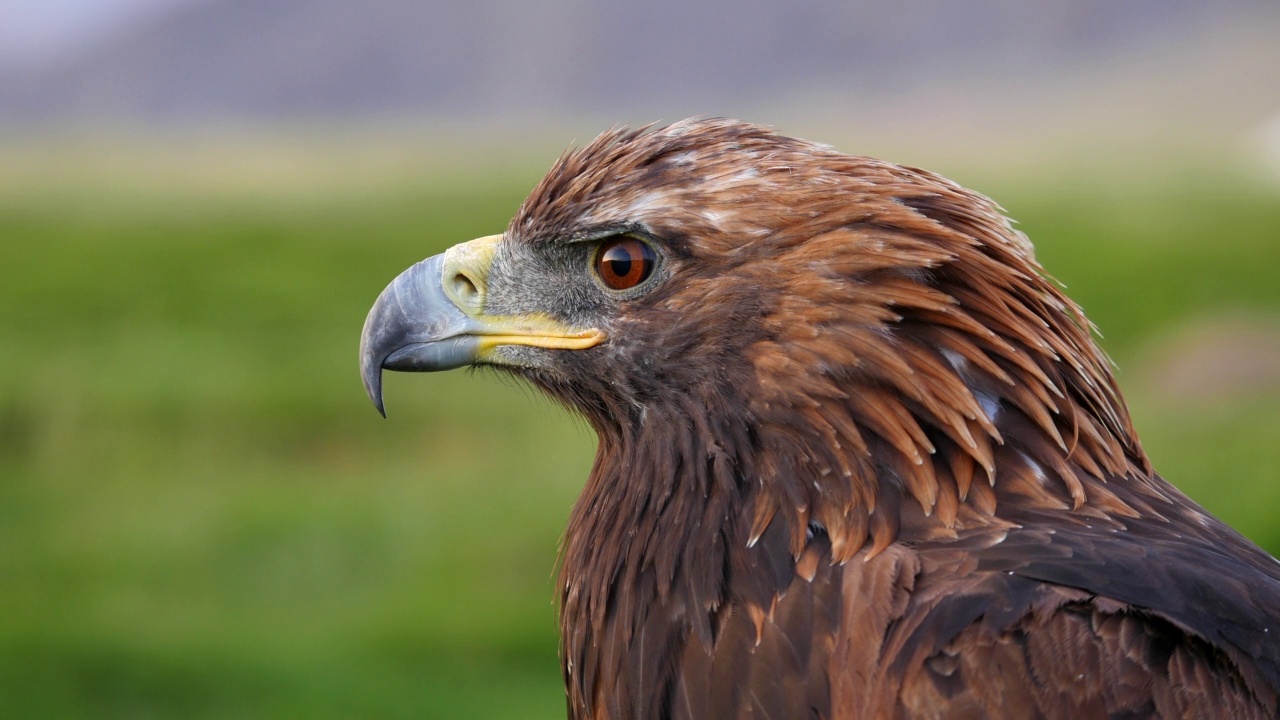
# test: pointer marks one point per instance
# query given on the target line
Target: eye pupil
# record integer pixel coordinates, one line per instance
(625, 262)
(619, 267)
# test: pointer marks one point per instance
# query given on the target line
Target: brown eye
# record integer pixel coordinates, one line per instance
(624, 262)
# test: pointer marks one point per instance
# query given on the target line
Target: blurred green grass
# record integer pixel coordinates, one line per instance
(201, 516)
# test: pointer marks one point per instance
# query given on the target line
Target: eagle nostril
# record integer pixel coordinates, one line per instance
(466, 290)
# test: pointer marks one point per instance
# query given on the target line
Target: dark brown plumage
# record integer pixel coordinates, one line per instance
(858, 457)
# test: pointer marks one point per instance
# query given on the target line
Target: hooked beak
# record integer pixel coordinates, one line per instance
(432, 317)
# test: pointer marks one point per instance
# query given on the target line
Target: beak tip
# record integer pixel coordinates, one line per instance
(371, 375)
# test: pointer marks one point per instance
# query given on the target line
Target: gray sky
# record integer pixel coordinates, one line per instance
(33, 32)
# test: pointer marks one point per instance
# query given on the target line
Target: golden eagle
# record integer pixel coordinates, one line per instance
(857, 456)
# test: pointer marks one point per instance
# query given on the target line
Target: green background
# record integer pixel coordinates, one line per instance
(202, 516)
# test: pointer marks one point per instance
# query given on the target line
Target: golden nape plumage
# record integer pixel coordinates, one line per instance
(858, 457)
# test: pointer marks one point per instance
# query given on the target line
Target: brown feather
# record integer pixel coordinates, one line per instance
(860, 457)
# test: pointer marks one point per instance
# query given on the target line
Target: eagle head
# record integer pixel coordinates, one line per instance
(714, 271)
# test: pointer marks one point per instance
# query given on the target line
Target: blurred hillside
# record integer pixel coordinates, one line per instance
(221, 60)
